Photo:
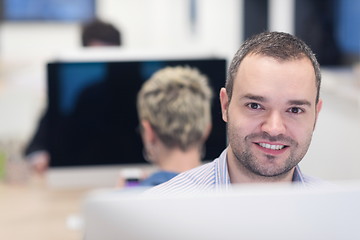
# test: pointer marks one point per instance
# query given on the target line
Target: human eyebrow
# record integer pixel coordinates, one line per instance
(299, 103)
(254, 98)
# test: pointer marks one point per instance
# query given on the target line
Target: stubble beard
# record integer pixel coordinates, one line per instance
(245, 158)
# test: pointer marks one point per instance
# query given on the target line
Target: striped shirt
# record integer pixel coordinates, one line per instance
(213, 176)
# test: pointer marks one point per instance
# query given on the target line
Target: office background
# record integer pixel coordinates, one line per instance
(209, 25)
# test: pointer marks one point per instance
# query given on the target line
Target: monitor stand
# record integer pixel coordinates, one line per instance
(94, 176)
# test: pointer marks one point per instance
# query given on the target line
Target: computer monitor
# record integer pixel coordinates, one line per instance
(257, 212)
(92, 110)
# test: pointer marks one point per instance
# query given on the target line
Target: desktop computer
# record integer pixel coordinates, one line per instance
(92, 118)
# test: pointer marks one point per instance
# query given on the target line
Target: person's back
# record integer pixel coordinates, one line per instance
(174, 109)
(93, 34)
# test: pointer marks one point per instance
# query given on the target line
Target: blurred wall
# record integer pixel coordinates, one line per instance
(144, 24)
(25, 47)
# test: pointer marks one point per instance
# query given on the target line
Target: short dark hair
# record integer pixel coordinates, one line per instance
(278, 45)
(97, 30)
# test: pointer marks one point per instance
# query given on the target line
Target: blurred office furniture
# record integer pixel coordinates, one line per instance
(263, 211)
(47, 10)
(33, 211)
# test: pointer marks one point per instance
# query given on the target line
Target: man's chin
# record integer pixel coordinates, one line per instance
(270, 166)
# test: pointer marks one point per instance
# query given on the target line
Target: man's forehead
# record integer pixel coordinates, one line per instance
(265, 76)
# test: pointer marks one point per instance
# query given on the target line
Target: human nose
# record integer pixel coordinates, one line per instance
(274, 124)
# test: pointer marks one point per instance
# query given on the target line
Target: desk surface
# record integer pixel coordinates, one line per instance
(33, 211)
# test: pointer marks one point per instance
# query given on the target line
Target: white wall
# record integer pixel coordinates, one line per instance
(334, 152)
(143, 23)
(281, 15)
(148, 23)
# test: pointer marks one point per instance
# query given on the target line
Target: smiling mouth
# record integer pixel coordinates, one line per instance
(271, 146)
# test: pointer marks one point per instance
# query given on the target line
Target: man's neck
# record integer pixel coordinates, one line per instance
(176, 160)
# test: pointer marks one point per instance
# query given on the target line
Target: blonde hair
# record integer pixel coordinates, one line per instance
(177, 103)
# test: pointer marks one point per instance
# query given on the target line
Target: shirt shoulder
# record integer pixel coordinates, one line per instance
(315, 182)
(199, 178)
(158, 178)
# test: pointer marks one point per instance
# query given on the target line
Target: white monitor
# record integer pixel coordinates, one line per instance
(248, 212)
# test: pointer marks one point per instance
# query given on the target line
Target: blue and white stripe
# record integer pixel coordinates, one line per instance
(213, 176)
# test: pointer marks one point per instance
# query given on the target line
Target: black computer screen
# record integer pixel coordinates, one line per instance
(92, 110)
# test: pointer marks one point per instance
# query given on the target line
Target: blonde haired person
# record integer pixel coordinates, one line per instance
(174, 108)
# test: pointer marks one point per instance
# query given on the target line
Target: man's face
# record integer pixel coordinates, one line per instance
(271, 116)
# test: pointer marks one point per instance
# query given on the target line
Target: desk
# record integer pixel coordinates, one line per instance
(32, 211)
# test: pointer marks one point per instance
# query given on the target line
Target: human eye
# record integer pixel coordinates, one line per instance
(295, 110)
(254, 106)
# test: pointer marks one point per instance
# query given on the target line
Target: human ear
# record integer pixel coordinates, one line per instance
(319, 106)
(148, 133)
(207, 132)
(224, 102)
(318, 109)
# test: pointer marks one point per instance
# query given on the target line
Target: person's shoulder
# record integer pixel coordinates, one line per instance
(158, 177)
(199, 178)
(315, 182)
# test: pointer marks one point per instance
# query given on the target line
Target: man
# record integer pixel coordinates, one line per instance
(95, 33)
(270, 104)
(98, 33)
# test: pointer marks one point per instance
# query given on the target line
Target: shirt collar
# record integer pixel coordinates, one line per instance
(221, 171)
(298, 177)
